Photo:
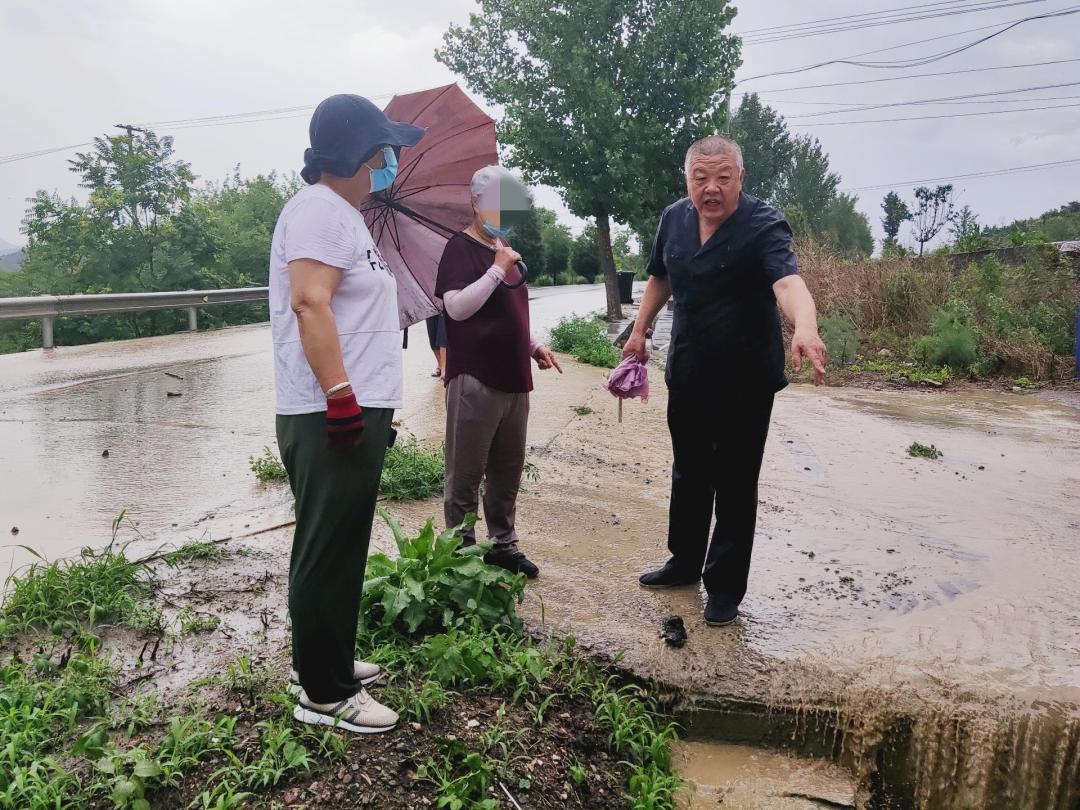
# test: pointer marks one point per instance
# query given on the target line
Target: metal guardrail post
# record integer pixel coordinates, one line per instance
(193, 319)
(46, 333)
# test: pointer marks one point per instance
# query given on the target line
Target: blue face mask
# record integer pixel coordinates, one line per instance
(382, 179)
(498, 233)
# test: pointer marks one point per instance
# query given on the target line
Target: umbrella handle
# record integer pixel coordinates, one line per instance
(523, 271)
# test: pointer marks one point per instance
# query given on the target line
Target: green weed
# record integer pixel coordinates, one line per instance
(268, 467)
(582, 410)
(194, 622)
(435, 584)
(917, 450)
(95, 588)
(412, 472)
(195, 551)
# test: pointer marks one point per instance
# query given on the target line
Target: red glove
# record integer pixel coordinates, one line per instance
(344, 422)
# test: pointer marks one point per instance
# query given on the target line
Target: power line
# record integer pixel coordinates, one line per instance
(917, 61)
(941, 99)
(250, 117)
(843, 17)
(766, 93)
(994, 5)
(932, 117)
(972, 175)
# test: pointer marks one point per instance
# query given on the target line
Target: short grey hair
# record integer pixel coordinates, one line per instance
(713, 145)
(484, 177)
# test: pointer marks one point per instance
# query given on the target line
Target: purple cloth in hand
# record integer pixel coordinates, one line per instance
(629, 379)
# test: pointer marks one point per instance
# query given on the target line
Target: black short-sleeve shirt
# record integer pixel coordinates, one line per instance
(725, 334)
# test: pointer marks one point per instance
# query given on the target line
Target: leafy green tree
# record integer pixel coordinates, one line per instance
(528, 240)
(808, 185)
(847, 229)
(767, 147)
(967, 233)
(896, 214)
(601, 99)
(583, 258)
(933, 211)
(558, 243)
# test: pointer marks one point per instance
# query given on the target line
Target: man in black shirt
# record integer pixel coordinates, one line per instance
(726, 258)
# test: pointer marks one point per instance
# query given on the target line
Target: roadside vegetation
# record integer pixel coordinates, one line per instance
(268, 467)
(488, 711)
(586, 340)
(914, 320)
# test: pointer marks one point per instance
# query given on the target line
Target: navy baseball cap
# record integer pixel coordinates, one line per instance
(346, 131)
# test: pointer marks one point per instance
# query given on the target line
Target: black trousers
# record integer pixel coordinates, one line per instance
(335, 492)
(719, 443)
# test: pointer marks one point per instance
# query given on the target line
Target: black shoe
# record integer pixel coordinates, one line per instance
(719, 613)
(673, 631)
(512, 560)
(670, 576)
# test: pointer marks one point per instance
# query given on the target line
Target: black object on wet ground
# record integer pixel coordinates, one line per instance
(673, 631)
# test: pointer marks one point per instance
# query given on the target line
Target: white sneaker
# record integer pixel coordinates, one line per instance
(361, 714)
(364, 672)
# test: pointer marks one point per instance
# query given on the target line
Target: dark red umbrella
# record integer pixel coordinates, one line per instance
(430, 199)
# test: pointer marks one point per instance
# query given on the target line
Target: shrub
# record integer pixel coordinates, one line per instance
(586, 339)
(951, 341)
(841, 338)
(542, 281)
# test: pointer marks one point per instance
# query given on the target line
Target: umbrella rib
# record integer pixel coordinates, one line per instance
(427, 106)
(455, 134)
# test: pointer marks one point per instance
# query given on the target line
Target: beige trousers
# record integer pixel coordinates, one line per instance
(485, 441)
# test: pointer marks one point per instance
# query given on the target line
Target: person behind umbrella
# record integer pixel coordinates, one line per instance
(727, 260)
(488, 374)
(338, 379)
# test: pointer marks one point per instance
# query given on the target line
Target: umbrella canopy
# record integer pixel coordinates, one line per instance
(429, 200)
(629, 379)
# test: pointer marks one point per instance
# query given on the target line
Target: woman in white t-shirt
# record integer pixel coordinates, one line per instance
(337, 373)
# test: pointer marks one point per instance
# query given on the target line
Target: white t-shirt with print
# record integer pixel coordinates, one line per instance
(319, 224)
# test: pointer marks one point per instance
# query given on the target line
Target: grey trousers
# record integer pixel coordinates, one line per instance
(485, 441)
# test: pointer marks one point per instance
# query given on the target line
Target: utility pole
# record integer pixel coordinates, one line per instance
(131, 129)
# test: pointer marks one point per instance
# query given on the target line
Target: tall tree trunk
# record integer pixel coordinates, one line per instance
(607, 265)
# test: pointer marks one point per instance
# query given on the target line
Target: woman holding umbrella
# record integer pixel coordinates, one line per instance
(338, 379)
(488, 373)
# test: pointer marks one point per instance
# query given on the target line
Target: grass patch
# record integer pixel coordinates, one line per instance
(97, 587)
(196, 551)
(447, 630)
(268, 467)
(194, 622)
(582, 410)
(586, 339)
(917, 450)
(412, 472)
(895, 371)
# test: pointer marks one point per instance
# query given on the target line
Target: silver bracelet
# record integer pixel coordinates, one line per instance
(333, 389)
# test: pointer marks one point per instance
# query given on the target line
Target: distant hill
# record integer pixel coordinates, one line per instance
(12, 261)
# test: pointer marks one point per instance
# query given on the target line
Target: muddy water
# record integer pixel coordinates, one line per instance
(740, 777)
(178, 465)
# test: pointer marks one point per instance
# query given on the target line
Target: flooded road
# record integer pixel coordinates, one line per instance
(177, 464)
(915, 620)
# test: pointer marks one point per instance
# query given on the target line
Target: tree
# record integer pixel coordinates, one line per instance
(584, 260)
(527, 240)
(766, 145)
(934, 210)
(601, 99)
(808, 185)
(896, 214)
(847, 229)
(967, 233)
(557, 245)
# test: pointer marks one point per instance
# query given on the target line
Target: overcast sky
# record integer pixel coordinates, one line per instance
(71, 70)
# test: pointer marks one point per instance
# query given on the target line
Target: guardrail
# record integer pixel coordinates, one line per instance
(50, 307)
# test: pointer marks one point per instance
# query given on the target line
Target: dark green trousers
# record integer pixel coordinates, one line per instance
(335, 492)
